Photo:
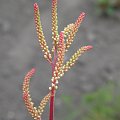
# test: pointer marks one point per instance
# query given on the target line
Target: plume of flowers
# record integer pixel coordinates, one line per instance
(40, 34)
(61, 43)
(34, 111)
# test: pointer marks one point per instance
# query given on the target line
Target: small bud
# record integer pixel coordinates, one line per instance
(50, 88)
(52, 79)
(56, 87)
(53, 85)
(56, 82)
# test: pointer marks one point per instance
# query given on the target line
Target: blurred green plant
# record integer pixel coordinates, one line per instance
(103, 104)
(107, 7)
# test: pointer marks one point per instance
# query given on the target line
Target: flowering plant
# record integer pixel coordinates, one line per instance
(61, 43)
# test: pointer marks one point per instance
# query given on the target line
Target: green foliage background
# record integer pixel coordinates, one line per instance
(104, 104)
(107, 7)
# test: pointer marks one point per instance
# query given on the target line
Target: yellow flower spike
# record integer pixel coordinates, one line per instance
(27, 98)
(54, 24)
(40, 34)
(43, 104)
(73, 30)
(75, 57)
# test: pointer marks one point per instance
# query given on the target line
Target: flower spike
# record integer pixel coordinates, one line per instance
(36, 113)
(75, 57)
(54, 24)
(27, 98)
(43, 104)
(74, 30)
(40, 34)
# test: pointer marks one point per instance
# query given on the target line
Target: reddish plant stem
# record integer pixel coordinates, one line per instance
(51, 116)
(52, 98)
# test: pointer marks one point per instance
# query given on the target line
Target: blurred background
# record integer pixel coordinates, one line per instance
(90, 90)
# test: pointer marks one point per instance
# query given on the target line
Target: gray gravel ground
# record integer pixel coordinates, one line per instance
(19, 52)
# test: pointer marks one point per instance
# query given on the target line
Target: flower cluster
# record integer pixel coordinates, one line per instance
(61, 43)
(35, 112)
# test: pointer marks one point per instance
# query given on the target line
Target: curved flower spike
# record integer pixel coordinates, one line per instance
(40, 34)
(75, 57)
(74, 30)
(54, 24)
(36, 113)
(27, 98)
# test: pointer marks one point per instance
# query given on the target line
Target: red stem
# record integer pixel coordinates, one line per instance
(51, 115)
(52, 98)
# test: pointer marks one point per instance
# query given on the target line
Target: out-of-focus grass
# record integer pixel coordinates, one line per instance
(107, 7)
(103, 104)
